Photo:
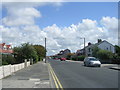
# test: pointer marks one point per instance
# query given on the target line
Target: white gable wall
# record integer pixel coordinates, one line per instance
(107, 46)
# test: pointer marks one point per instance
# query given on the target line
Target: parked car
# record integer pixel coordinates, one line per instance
(92, 61)
(56, 58)
(62, 59)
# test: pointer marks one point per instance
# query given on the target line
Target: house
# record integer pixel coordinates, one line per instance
(64, 53)
(5, 49)
(104, 45)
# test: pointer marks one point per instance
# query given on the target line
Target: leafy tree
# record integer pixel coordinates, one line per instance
(40, 51)
(69, 55)
(117, 50)
(95, 50)
(25, 51)
(104, 55)
(18, 55)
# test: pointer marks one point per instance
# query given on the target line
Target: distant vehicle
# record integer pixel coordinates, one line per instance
(56, 58)
(91, 61)
(62, 59)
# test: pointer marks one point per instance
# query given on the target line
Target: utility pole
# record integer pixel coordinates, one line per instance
(45, 50)
(84, 47)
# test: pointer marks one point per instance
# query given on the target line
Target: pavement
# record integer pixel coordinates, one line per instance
(34, 76)
(76, 75)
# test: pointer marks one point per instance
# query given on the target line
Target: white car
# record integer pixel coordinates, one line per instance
(91, 61)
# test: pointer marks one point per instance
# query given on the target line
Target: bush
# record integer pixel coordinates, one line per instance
(104, 55)
(80, 58)
(116, 59)
(74, 58)
(8, 59)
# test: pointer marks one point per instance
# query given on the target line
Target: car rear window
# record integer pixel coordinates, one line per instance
(93, 59)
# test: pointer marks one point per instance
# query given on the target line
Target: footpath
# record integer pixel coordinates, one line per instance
(34, 76)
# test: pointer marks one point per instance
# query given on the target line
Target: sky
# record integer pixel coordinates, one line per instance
(64, 24)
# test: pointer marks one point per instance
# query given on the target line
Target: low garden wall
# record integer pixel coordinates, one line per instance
(7, 70)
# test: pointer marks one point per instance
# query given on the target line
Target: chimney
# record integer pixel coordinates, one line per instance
(3, 44)
(99, 40)
(89, 43)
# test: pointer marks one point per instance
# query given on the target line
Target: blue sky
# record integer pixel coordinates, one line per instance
(73, 12)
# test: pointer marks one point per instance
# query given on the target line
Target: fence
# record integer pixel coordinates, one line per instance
(9, 69)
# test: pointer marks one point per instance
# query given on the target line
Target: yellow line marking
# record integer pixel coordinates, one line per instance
(56, 78)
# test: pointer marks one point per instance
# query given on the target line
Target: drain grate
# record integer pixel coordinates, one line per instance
(23, 79)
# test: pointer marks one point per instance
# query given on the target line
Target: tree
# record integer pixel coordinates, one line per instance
(104, 55)
(70, 55)
(116, 58)
(117, 50)
(25, 51)
(40, 51)
(95, 50)
(18, 55)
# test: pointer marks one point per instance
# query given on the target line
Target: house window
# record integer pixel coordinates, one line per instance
(88, 49)
(107, 48)
(110, 48)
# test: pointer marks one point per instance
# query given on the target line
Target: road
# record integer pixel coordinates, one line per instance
(76, 75)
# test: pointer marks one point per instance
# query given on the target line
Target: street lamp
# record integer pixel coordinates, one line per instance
(45, 50)
(84, 44)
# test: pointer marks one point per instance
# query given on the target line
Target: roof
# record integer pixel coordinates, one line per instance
(7, 50)
(8, 46)
(96, 44)
(102, 42)
(1, 45)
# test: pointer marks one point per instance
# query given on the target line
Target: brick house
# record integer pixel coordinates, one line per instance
(5, 49)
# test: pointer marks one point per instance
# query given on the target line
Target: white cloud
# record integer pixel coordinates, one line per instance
(21, 16)
(58, 38)
(110, 26)
(110, 23)
(19, 27)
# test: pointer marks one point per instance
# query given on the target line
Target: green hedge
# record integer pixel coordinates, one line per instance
(80, 58)
(8, 59)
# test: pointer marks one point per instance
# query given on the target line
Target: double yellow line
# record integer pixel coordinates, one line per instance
(56, 80)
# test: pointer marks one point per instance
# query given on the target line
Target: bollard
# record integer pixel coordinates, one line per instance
(25, 63)
(31, 61)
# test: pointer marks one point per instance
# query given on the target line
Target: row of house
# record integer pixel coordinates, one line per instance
(5, 49)
(104, 45)
(63, 53)
(88, 50)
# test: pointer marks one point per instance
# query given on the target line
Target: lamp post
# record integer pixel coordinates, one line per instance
(45, 50)
(84, 46)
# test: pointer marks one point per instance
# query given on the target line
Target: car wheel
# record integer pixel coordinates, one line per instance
(84, 64)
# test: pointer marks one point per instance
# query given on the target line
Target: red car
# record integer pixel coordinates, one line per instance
(62, 59)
